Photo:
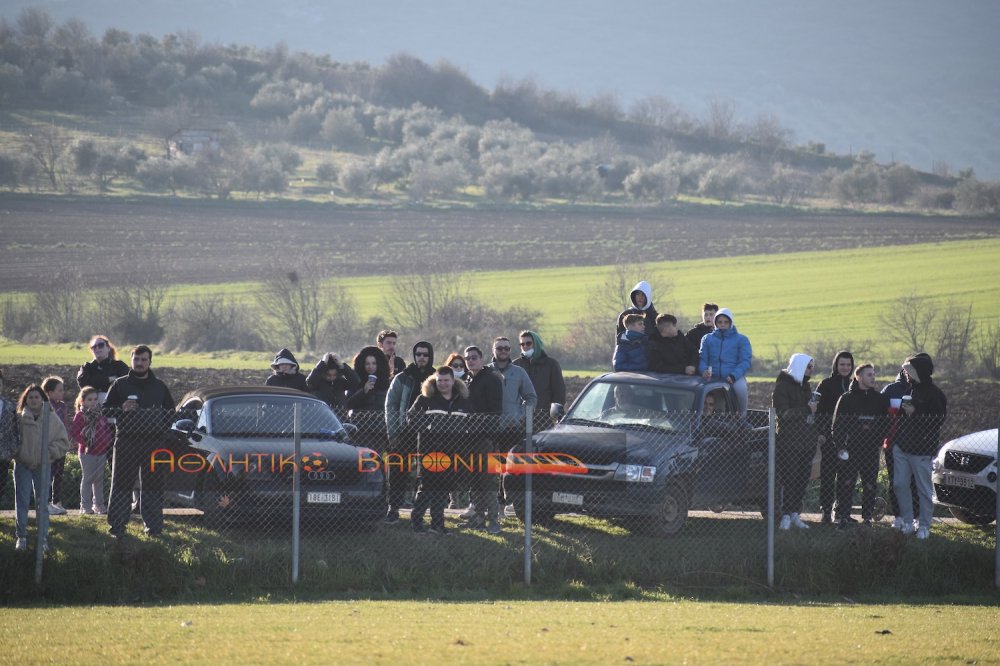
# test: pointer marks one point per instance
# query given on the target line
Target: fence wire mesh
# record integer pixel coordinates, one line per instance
(636, 482)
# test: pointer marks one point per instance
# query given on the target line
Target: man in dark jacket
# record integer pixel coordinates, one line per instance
(543, 370)
(486, 399)
(285, 372)
(917, 442)
(143, 407)
(671, 353)
(331, 381)
(703, 328)
(859, 425)
(830, 390)
(795, 438)
(403, 392)
(894, 392)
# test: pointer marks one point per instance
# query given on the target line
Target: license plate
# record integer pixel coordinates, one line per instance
(323, 498)
(568, 498)
(960, 481)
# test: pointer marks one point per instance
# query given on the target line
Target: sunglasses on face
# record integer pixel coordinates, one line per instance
(421, 355)
(98, 345)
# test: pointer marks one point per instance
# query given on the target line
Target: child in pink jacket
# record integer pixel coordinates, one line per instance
(92, 434)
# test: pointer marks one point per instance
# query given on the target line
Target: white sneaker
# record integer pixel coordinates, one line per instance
(897, 524)
(509, 510)
(56, 510)
(923, 533)
(786, 523)
(907, 528)
(470, 512)
(798, 522)
(22, 544)
(916, 524)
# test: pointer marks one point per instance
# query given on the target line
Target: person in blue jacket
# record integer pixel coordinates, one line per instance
(630, 352)
(726, 354)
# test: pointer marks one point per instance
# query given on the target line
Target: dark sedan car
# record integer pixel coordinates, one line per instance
(236, 460)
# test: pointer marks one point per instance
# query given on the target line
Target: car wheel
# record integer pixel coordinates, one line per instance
(970, 518)
(212, 503)
(538, 517)
(671, 513)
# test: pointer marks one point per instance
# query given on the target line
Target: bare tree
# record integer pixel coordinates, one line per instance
(909, 321)
(419, 299)
(945, 330)
(64, 308)
(46, 146)
(988, 350)
(136, 307)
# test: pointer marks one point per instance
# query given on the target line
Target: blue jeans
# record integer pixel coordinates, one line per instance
(27, 480)
(905, 467)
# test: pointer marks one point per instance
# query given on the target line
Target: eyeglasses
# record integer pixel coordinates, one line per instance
(421, 355)
(527, 345)
(501, 349)
(98, 345)
(458, 366)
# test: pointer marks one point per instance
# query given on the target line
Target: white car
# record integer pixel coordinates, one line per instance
(965, 477)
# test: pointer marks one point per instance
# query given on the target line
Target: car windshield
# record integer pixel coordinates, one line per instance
(271, 416)
(617, 404)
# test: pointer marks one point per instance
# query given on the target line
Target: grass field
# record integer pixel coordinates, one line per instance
(781, 301)
(512, 632)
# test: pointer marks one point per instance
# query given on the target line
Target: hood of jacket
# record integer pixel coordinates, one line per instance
(843, 353)
(641, 286)
(430, 348)
(726, 312)
(429, 388)
(797, 365)
(921, 366)
(284, 356)
(539, 349)
(381, 367)
(632, 336)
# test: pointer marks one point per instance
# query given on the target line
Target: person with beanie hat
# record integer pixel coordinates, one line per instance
(795, 438)
(285, 372)
(917, 442)
(830, 389)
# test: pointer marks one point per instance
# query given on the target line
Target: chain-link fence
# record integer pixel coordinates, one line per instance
(649, 482)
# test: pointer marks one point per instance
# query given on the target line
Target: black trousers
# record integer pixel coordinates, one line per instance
(893, 502)
(56, 469)
(432, 494)
(792, 467)
(131, 459)
(828, 469)
(863, 462)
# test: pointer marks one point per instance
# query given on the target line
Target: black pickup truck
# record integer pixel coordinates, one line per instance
(646, 449)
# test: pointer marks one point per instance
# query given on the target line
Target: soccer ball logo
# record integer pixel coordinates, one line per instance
(314, 462)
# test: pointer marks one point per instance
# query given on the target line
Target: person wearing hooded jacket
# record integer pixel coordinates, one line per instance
(367, 403)
(895, 391)
(440, 393)
(726, 353)
(858, 427)
(332, 389)
(640, 301)
(285, 372)
(917, 442)
(403, 392)
(795, 438)
(830, 389)
(543, 370)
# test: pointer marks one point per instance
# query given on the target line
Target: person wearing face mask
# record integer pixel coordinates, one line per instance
(795, 438)
(104, 369)
(544, 371)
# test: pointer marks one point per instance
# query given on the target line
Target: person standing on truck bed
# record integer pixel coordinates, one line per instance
(704, 327)
(640, 301)
(727, 355)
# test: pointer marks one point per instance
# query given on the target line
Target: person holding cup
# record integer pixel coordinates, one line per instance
(726, 355)
(895, 391)
(142, 406)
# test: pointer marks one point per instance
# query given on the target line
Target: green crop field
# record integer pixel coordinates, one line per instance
(505, 632)
(781, 301)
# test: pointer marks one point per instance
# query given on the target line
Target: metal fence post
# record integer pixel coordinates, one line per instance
(770, 496)
(296, 486)
(529, 449)
(42, 501)
(996, 548)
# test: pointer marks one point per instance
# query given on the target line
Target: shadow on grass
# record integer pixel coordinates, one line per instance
(575, 558)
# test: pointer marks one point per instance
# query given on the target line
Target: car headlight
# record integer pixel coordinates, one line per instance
(635, 473)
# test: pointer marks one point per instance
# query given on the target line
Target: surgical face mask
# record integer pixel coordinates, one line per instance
(527, 353)
(458, 373)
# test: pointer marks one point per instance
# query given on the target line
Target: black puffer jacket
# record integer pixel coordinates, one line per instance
(295, 380)
(100, 374)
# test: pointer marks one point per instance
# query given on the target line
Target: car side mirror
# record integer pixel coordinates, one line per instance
(557, 411)
(350, 430)
(186, 428)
